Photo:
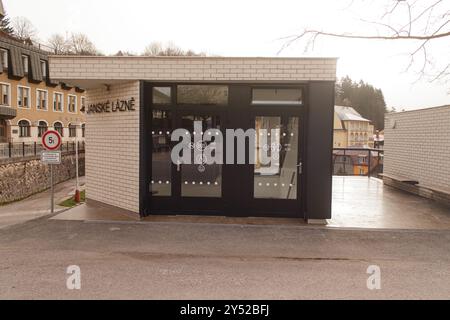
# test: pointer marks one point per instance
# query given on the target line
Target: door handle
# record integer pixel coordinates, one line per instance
(178, 166)
(300, 168)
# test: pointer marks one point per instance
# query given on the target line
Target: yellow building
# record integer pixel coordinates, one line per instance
(30, 102)
(351, 129)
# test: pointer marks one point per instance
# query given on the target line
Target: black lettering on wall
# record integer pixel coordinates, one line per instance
(114, 106)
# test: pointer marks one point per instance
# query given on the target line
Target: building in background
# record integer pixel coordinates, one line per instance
(30, 102)
(351, 130)
(378, 139)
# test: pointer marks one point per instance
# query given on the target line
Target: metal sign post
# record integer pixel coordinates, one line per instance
(77, 189)
(51, 140)
(52, 191)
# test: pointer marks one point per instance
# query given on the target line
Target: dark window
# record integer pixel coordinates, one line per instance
(44, 68)
(277, 96)
(42, 128)
(2, 130)
(23, 97)
(83, 130)
(4, 94)
(162, 95)
(72, 103)
(83, 104)
(72, 130)
(24, 129)
(59, 127)
(4, 58)
(25, 63)
(202, 94)
(161, 159)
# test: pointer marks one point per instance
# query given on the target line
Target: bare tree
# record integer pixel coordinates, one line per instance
(24, 29)
(417, 21)
(73, 44)
(167, 49)
(58, 44)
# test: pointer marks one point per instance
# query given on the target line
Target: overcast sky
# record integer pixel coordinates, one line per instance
(243, 28)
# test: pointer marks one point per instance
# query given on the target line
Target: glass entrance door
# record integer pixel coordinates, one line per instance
(191, 171)
(201, 176)
(185, 177)
(277, 173)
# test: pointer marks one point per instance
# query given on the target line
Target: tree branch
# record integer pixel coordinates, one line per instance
(374, 37)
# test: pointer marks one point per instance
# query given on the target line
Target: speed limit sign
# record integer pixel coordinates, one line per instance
(51, 140)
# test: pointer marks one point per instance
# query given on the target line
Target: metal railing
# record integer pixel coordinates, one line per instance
(32, 149)
(357, 162)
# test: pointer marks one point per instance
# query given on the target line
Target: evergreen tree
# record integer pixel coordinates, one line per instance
(5, 25)
(364, 98)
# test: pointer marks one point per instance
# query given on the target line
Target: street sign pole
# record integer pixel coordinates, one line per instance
(77, 190)
(51, 141)
(52, 190)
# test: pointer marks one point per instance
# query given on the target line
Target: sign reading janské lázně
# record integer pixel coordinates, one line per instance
(112, 106)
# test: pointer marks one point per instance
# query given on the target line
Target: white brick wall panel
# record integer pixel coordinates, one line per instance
(196, 69)
(419, 146)
(112, 157)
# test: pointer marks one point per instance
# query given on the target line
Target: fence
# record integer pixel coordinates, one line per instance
(30, 149)
(357, 162)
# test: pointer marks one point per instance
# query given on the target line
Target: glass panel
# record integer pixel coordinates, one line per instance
(201, 180)
(276, 153)
(162, 95)
(161, 160)
(202, 94)
(277, 96)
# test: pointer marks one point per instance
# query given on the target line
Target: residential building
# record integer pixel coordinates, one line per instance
(351, 130)
(31, 102)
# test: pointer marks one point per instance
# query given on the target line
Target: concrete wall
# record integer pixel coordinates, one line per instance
(20, 179)
(112, 154)
(417, 146)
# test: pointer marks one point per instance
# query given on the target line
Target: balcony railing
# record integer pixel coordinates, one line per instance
(357, 162)
(32, 149)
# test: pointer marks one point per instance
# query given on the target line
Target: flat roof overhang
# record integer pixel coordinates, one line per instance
(90, 72)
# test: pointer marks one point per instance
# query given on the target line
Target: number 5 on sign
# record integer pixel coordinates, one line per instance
(51, 140)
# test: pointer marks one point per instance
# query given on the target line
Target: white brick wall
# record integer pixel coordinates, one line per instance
(192, 68)
(419, 146)
(112, 150)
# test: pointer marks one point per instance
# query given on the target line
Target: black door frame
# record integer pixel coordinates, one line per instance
(225, 205)
(284, 207)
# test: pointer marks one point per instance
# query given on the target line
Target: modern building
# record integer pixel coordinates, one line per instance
(140, 108)
(351, 129)
(30, 101)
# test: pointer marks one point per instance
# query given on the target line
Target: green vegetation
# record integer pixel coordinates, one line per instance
(69, 203)
(364, 98)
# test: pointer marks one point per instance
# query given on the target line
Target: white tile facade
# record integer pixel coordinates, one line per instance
(419, 146)
(112, 149)
(192, 68)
